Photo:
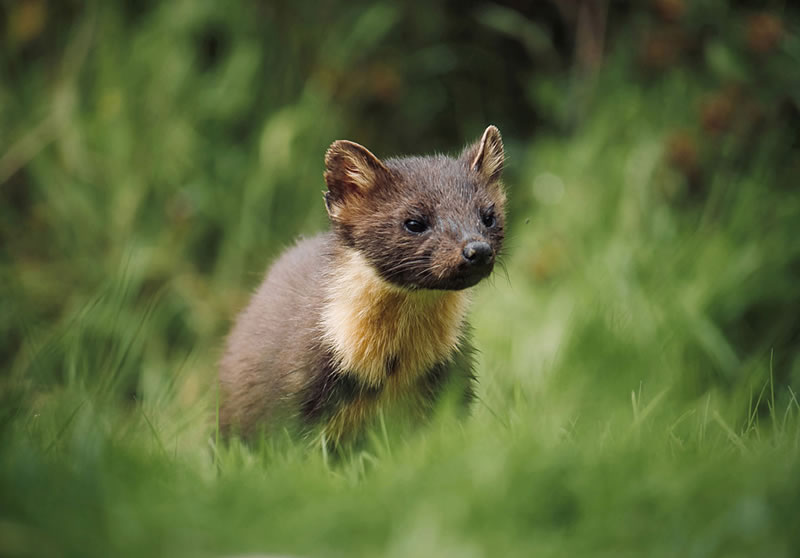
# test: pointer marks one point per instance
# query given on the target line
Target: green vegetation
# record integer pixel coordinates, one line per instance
(640, 357)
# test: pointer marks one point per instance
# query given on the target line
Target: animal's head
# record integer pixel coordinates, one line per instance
(432, 222)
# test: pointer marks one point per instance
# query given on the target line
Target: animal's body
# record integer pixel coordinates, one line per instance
(371, 315)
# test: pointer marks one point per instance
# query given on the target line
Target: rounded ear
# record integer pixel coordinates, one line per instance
(351, 170)
(486, 157)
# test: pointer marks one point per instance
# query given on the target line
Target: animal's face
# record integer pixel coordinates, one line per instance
(422, 222)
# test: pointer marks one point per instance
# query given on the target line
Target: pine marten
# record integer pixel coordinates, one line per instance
(370, 315)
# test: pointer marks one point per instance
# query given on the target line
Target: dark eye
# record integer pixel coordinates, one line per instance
(488, 219)
(415, 226)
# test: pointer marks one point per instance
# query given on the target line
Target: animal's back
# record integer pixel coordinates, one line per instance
(270, 354)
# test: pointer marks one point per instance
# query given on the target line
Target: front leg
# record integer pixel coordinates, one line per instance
(451, 382)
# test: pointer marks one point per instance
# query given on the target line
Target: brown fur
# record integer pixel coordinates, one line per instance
(371, 314)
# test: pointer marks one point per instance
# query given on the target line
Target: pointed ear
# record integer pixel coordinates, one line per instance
(351, 171)
(486, 156)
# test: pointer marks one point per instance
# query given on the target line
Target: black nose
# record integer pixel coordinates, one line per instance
(477, 253)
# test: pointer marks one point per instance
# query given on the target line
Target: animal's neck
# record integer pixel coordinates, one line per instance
(379, 331)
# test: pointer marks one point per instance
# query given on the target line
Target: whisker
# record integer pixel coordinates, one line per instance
(406, 264)
(503, 267)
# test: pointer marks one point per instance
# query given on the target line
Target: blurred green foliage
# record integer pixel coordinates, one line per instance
(640, 355)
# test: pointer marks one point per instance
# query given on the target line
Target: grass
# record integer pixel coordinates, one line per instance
(638, 367)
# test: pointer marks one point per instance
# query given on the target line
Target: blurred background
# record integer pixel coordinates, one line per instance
(156, 156)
